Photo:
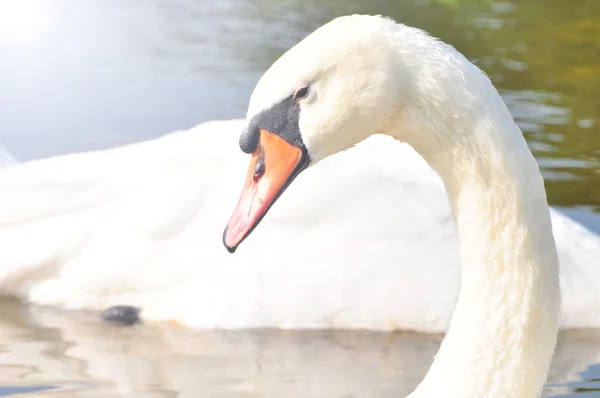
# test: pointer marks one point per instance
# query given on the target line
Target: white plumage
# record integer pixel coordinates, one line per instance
(365, 239)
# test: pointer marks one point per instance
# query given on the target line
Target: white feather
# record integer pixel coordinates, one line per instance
(365, 239)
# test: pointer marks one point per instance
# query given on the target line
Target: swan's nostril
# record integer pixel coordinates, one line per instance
(259, 169)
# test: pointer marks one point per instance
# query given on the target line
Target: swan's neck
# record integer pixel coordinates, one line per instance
(504, 328)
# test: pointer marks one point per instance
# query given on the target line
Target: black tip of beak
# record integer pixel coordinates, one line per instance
(229, 249)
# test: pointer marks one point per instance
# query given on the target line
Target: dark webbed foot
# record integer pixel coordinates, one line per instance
(122, 314)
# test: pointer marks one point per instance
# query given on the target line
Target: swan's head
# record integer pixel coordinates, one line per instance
(349, 79)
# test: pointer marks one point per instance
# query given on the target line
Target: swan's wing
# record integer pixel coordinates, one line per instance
(47, 211)
(579, 254)
(100, 215)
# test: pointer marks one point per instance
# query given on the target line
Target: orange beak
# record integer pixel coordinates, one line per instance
(273, 166)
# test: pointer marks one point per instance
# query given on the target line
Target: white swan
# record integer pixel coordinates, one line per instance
(115, 227)
(138, 225)
(361, 75)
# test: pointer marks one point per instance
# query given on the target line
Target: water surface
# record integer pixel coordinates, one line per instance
(75, 355)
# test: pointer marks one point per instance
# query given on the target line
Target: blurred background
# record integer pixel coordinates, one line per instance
(90, 74)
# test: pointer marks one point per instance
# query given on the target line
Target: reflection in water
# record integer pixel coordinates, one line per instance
(86, 75)
(76, 355)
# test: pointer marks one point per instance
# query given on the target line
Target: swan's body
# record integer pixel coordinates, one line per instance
(361, 75)
(137, 225)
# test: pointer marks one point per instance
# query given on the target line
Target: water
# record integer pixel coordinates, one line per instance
(94, 74)
(75, 355)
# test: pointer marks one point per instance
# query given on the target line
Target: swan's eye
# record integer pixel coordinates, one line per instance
(301, 93)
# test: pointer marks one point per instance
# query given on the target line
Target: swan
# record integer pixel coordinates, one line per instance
(360, 75)
(137, 225)
(84, 232)
(74, 211)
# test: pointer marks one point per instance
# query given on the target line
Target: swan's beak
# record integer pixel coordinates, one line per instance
(273, 166)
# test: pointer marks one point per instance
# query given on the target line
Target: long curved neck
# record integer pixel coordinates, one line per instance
(504, 328)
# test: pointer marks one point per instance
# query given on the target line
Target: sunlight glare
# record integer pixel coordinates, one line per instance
(21, 19)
